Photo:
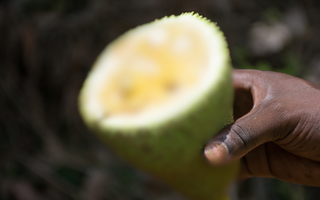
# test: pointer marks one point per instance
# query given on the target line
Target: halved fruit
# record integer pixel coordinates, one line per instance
(157, 94)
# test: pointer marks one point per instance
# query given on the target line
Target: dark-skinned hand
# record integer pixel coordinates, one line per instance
(276, 131)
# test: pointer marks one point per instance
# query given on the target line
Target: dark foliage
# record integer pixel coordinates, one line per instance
(48, 46)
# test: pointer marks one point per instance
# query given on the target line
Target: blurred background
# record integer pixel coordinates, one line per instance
(46, 50)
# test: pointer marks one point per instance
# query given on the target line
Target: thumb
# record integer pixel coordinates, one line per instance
(240, 137)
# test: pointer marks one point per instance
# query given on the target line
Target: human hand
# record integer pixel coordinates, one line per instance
(276, 131)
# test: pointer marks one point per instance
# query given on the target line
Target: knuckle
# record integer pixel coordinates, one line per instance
(240, 136)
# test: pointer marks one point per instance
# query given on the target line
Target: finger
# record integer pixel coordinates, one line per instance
(249, 82)
(245, 134)
(243, 100)
(269, 160)
(242, 79)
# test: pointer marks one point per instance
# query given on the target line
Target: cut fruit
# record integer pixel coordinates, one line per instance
(158, 93)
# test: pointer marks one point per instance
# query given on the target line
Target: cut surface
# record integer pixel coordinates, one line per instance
(155, 72)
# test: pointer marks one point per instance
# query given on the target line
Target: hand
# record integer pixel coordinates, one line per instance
(276, 131)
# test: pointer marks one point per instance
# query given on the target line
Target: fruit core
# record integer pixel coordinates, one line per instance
(158, 66)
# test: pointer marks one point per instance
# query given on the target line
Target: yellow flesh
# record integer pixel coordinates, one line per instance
(154, 68)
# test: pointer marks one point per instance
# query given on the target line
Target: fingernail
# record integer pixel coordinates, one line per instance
(216, 153)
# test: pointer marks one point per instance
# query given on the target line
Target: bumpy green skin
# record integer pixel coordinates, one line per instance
(173, 151)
